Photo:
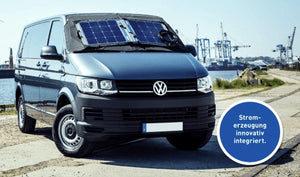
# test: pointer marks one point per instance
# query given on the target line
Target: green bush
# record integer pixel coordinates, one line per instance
(272, 82)
(240, 83)
(220, 83)
(236, 83)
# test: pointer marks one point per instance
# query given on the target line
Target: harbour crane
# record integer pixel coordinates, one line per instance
(286, 52)
(290, 45)
(236, 47)
(223, 48)
(202, 46)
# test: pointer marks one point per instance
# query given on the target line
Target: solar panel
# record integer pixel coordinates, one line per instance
(102, 32)
(147, 31)
(116, 31)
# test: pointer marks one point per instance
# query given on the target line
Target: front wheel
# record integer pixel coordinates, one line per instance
(189, 141)
(65, 136)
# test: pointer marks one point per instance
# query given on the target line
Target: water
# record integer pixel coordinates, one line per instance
(7, 91)
(226, 75)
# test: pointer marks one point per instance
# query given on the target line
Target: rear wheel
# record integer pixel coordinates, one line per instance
(26, 124)
(65, 136)
(189, 141)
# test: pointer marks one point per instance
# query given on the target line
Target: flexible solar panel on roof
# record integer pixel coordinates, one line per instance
(147, 31)
(102, 32)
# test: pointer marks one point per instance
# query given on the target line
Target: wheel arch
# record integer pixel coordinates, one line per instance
(18, 93)
(65, 97)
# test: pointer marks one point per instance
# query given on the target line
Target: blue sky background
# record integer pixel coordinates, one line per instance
(261, 23)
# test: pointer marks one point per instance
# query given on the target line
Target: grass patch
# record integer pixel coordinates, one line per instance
(9, 112)
(260, 72)
(7, 109)
(272, 82)
(241, 84)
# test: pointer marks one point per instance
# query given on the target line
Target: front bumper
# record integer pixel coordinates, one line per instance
(101, 117)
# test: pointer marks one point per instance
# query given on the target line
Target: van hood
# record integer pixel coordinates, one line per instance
(142, 65)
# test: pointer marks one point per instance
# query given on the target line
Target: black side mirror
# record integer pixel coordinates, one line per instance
(191, 49)
(50, 53)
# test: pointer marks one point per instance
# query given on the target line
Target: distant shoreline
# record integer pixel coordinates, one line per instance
(6, 73)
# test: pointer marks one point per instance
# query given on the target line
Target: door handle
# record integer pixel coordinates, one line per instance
(44, 65)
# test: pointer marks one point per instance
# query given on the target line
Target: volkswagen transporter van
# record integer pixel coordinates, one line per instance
(99, 76)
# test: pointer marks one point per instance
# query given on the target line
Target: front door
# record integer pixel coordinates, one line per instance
(52, 73)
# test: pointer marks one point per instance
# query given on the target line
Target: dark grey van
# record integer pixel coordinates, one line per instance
(99, 76)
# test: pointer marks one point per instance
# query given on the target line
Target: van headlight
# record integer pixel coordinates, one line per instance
(96, 87)
(204, 84)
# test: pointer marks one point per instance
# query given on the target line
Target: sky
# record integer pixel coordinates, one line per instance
(260, 23)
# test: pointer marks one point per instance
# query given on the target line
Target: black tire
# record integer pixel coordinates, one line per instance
(26, 124)
(65, 136)
(189, 141)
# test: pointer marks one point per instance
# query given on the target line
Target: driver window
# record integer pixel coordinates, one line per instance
(57, 36)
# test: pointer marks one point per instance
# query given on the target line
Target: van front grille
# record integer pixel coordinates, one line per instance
(164, 114)
(147, 85)
(150, 114)
(169, 114)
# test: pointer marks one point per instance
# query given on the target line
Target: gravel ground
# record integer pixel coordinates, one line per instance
(287, 165)
(11, 135)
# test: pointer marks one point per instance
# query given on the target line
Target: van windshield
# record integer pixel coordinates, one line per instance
(109, 34)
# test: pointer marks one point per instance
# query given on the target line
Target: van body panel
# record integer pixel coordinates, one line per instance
(148, 65)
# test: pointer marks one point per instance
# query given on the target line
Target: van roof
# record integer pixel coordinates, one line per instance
(99, 16)
(73, 43)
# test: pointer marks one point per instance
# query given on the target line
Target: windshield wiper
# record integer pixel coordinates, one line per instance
(106, 47)
(131, 47)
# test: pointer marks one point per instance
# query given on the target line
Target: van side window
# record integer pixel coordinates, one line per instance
(35, 38)
(57, 36)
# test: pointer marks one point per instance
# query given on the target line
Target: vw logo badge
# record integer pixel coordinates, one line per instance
(160, 88)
